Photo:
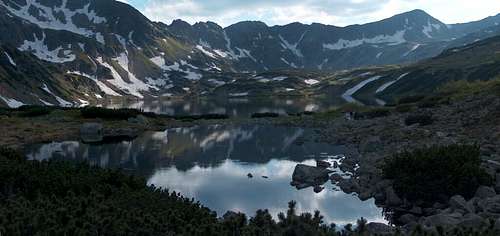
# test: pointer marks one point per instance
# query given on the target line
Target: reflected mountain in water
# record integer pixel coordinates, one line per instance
(211, 163)
(236, 107)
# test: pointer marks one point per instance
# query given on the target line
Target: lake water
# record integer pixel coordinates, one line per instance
(235, 107)
(211, 163)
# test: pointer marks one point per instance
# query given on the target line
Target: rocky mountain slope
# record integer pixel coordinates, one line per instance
(477, 61)
(84, 51)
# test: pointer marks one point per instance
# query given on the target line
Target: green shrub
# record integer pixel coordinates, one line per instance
(410, 99)
(373, 113)
(265, 115)
(404, 108)
(419, 119)
(431, 173)
(104, 113)
(34, 111)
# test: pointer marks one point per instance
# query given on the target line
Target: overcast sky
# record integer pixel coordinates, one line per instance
(333, 12)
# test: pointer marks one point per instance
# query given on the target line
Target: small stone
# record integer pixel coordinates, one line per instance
(250, 175)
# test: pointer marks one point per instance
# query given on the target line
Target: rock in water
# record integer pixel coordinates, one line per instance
(250, 175)
(322, 164)
(318, 189)
(92, 132)
(305, 176)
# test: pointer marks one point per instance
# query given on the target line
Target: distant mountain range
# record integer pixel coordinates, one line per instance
(74, 52)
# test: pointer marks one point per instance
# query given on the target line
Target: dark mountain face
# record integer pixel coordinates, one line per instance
(107, 48)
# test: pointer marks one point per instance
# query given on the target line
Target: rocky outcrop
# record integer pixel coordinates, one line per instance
(306, 176)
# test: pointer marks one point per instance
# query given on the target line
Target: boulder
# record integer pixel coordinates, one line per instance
(392, 198)
(490, 205)
(92, 132)
(444, 220)
(458, 202)
(305, 176)
(472, 221)
(374, 228)
(322, 164)
(407, 218)
(371, 144)
(349, 185)
(485, 192)
(336, 178)
(318, 189)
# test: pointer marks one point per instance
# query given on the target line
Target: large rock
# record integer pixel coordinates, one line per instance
(485, 192)
(379, 229)
(391, 198)
(349, 185)
(472, 221)
(305, 176)
(458, 202)
(445, 220)
(92, 132)
(491, 205)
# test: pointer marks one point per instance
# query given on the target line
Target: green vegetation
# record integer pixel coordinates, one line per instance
(34, 111)
(410, 99)
(265, 115)
(373, 113)
(58, 198)
(419, 119)
(104, 113)
(462, 88)
(433, 173)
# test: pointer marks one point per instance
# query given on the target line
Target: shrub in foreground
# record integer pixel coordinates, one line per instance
(34, 111)
(436, 173)
(104, 113)
(419, 119)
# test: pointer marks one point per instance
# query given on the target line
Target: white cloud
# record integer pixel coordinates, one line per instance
(334, 12)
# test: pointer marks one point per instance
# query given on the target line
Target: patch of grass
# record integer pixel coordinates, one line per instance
(462, 88)
(436, 173)
(410, 99)
(34, 111)
(419, 119)
(373, 113)
(404, 108)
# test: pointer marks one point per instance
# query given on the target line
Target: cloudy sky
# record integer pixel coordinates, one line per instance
(334, 12)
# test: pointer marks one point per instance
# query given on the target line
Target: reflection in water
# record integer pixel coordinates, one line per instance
(237, 107)
(211, 163)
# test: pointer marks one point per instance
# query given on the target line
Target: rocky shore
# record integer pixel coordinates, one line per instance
(472, 120)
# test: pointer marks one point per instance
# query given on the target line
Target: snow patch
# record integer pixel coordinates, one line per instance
(11, 102)
(388, 84)
(347, 96)
(415, 47)
(61, 101)
(50, 18)
(10, 59)
(102, 86)
(41, 50)
(395, 39)
(292, 47)
(311, 81)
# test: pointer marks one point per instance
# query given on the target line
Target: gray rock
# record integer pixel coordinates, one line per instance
(392, 198)
(485, 192)
(379, 229)
(322, 164)
(442, 220)
(349, 185)
(490, 205)
(497, 224)
(318, 189)
(92, 132)
(407, 218)
(472, 221)
(305, 175)
(365, 194)
(336, 177)
(457, 202)
(416, 210)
